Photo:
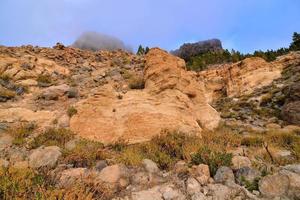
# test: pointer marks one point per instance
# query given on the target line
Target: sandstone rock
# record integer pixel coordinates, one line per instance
(43, 118)
(224, 175)
(240, 78)
(180, 167)
(172, 100)
(274, 185)
(150, 166)
(240, 161)
(44, 157)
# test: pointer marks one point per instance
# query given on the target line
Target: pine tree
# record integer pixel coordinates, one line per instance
(141, 50)
(295, 46)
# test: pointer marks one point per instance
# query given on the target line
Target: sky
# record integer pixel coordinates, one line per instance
(244, 25)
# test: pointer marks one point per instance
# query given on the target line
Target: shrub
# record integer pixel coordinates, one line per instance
(214, 159)
(252, 141)
(72, 111)
(44, 79)
(52, 137)
(136, 83)
(85, 153)
(21, 133)
(250, 185)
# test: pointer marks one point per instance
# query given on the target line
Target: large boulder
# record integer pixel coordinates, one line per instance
(188, 50)
(172, 99)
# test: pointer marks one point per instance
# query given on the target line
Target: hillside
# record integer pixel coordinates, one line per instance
(78, 124)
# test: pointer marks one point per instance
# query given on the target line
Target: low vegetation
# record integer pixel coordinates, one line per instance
(137, 83)
(52, 137)
(72, 111)
(21, 133)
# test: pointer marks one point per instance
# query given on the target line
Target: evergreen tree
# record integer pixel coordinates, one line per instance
(147, 49)
(295, 46)
(141, 50)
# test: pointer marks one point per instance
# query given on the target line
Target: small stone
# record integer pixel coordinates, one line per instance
(150, 166)
(240, 161)
(169, 193)
(72, 93)
(199, 196)
(224, 175)
(5, 141)
(180, 167)
(44, 157)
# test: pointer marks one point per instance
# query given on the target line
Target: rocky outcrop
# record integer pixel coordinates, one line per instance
(244, 77)
(188, 50)
(172, 99)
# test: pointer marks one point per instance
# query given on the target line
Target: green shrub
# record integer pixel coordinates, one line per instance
(252, 141)
(72, 111)
(214, 159)
(44, 79)
(52, 137)
(250, 185)
(21, 133)
(85, 153)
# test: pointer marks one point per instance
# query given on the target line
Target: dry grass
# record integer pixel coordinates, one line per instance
(21, 133)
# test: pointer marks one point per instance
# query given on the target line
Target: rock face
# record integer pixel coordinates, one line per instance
(172, 99)
(188, 50)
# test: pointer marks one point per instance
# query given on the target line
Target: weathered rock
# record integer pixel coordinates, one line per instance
(150, 166)
(172, 100)
(240, 78)
(219, 191)
(240, 161)
(291, 112)
(274, 185)
(224, 175)
(44, 157)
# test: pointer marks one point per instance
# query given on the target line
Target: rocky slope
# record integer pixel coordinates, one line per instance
(112, 125)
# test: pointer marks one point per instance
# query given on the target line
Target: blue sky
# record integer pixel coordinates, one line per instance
(244, 25)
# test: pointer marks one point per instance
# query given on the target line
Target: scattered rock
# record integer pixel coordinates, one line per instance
(201, 173)
(5, 141)
(293, 168)
(3, 163)
(291, 112)
(44, 157)
(151, 194)
(224, 175)
(112, 174)
(69, 177)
